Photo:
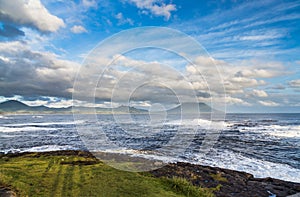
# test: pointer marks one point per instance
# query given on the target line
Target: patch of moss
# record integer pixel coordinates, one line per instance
(184, 187)
(218, 177)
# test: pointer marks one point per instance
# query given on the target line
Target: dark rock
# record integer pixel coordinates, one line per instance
(6, 192)
(233, 183)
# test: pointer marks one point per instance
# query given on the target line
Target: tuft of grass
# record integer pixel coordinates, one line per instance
(48, 175)
(184, 187)
(218, 177)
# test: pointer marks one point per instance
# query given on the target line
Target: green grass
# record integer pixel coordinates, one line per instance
(218, 177)
(31, 175)
(184, 187)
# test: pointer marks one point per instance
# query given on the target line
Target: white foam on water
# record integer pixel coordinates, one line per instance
(6, 136)
(226, 159)
(285, 131)
(290, 131)
(24, 129)
(44, 123)
(37, 116)
(44, 148)
(4, 117)
(259, 168)
(202, 123)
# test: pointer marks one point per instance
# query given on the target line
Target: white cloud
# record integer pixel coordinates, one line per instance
(30, 72)
(236, 77)
(259, 93)
(141, 104)
(63, 103)
(4, 59)
(156, 7)
(49, 101)
(89, 3)
(29, 13)
(77, 29)
(36, 102)
(122, 20)
(295, 83)
(231, 38)
(260, 35)
(268, 103)
(246, 82)
(234, 101)
(261, 69)
(142, 81)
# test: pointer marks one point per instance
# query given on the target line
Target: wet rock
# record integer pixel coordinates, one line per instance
(233, 183)
(6, 192)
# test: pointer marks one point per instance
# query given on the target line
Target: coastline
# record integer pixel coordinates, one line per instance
(222, 182)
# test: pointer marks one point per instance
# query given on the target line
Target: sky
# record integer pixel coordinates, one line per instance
(254, 47)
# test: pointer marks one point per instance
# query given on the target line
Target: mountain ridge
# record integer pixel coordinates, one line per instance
(14, 106)
(193, 108)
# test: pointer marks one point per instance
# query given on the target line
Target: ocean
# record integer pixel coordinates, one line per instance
(265, 145)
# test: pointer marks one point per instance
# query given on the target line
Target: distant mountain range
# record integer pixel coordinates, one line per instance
(13, 106)
(191, 108)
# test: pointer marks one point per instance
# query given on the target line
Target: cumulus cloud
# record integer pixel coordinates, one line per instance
(260, 69)
(27, 72)
(30, 13)
(234, 101)
(138, 81)
(55, 102)
(89, 3)
(236, 78)
(295, 83)
(246, 82)
(259, 93)
(77, 29)
(155, 7)
(268, 103)
(122, 20)
(198, 81)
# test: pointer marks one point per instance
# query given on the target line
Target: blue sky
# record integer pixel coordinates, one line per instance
(257, 44)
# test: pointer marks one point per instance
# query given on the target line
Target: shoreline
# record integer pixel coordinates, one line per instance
(228, 182)
(119, 156)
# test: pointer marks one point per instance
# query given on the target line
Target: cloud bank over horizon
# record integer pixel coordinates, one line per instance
(43, 43)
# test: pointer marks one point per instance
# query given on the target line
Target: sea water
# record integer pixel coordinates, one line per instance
(265, 145)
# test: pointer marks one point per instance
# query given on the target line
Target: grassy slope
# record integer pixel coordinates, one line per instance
(30, 175)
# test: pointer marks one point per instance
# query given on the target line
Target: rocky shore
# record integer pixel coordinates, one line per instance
(225, 183)
(231, 183)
